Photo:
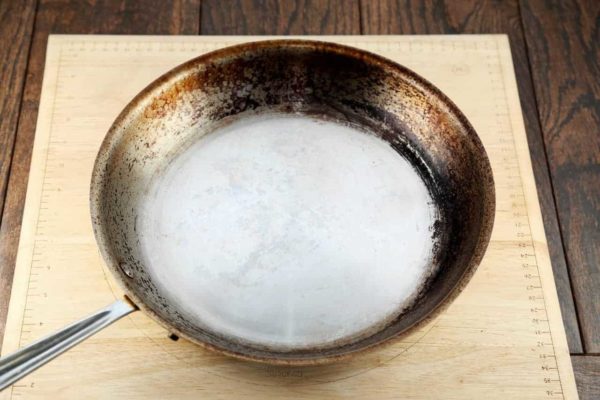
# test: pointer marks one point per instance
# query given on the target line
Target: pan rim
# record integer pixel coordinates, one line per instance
(135, 106)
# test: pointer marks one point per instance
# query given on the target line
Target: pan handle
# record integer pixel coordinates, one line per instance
(26, 360)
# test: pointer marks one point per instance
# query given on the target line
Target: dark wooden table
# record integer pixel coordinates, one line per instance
(556, 51)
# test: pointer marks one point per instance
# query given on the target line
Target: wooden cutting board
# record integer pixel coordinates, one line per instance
(503, 338)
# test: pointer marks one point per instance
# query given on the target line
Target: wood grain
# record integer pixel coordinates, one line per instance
(563, 40)
(280, 17)
(114, 16)
(16, 27)
(587, 375)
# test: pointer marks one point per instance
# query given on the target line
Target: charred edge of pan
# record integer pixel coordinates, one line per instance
(161, 99)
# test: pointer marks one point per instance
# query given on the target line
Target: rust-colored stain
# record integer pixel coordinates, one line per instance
(338, 82)
(166, 101)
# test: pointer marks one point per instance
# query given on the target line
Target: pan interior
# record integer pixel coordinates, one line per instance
(287, 231)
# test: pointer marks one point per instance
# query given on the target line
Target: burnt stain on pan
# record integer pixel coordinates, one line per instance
(321, 79)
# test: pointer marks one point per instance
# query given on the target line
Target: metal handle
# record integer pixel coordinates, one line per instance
(26, 360)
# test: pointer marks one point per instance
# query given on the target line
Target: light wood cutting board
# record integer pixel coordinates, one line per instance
(503, 338)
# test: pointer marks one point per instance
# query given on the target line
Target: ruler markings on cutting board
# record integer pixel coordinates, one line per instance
(521, 347)
(523, 231)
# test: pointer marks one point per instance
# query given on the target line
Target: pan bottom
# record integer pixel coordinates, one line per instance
(288, 232)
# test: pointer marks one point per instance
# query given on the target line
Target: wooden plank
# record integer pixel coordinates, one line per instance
(587, 375)
(563, 40)
(416, 17)
(16, 26)
(502, 338)
(280, 17)
(115, 16)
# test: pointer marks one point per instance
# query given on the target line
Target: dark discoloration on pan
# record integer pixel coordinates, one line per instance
(328, 80)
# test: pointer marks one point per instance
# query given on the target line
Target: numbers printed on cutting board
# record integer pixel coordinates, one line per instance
(515, 208)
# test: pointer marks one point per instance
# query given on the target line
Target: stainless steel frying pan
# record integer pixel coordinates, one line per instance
(289, 202)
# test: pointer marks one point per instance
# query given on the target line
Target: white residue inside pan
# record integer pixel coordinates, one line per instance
(287, 231)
